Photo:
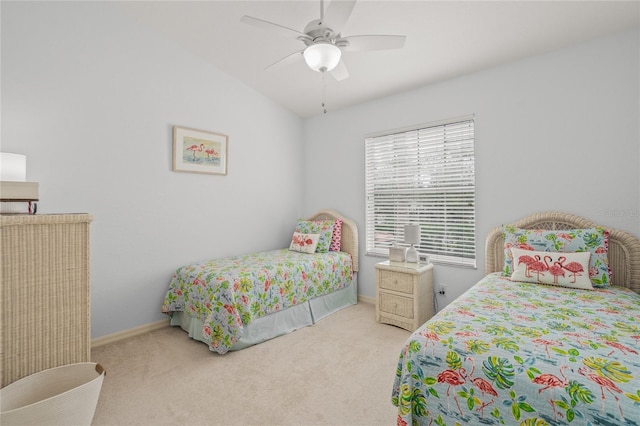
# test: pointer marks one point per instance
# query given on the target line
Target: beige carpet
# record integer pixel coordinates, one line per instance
(339, 371)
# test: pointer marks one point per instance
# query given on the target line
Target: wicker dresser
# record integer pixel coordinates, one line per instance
(44, 293)
(404, 294)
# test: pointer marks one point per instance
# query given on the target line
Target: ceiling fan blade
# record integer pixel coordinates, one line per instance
(271, 26)
(340, 71)
(337, 14)
(287, 60)
(374, 42)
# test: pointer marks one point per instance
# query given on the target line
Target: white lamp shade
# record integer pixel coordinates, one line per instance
(322, 57)
(412, 234)
(13, 167)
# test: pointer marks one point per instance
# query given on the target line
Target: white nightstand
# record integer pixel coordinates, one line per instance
(404, 293)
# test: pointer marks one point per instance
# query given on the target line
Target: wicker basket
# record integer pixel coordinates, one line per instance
(65, 395)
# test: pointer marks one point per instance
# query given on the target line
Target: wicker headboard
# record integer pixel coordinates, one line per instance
(624, 248)
(349, 240)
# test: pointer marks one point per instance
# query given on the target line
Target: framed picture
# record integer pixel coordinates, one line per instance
(199, 151)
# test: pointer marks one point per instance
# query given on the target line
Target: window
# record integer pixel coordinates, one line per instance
(423, 175)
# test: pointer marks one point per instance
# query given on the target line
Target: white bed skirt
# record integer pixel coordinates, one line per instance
(278, 323)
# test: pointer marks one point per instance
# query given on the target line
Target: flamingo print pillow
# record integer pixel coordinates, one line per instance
(322, 227)
(593, 240)
(304, 243)
(546, 267)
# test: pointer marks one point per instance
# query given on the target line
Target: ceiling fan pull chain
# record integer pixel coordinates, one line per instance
(324, 93)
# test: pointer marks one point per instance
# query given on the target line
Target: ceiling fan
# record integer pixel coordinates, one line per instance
(323, 41)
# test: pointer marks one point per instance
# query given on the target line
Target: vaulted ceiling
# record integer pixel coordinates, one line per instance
(445, 39)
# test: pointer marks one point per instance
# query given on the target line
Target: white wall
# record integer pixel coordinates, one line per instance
(560, 131)
(91, 97)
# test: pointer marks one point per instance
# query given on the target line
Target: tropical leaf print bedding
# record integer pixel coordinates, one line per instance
(524, 354)
(227, 294)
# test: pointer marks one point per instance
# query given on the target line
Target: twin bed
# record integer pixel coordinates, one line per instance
(236, 302)
(528, 353)
(549, 336)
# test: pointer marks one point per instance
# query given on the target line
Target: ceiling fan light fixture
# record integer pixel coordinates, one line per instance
(322, 57)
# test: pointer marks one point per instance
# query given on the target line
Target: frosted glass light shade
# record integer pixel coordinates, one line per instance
(322, 57)
(13, 167)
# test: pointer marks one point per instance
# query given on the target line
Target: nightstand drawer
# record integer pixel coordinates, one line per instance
(404, 293)
(397, 305)
(396, 282)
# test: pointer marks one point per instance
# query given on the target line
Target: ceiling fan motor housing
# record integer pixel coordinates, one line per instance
(318, 33)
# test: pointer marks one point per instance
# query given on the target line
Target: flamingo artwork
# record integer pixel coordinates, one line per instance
(624, 349)
(195, 148)
(452, 378)
(549, 381)
(483, 385)
(604, 383)
(301, 240)
(527, 260)
(546, 344)
(211, 152)
(523, 246)
(432, 337)
(556, 269)
(538, 267)
(574, 267)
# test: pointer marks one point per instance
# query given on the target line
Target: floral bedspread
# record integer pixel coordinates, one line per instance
(227, 294)
(524, 354)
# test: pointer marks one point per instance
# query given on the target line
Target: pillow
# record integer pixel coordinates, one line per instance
(336, 236)
(304, 243)
(593, 240)
(322, 227)
(548, 267)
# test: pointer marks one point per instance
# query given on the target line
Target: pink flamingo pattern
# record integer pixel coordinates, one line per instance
(575, 268)
(550, 268)
(483, 385)
(195, 148)
(592, 240)
(549, 381)
(192, 149)
(537, 266)
(556, 269)
(546, 343)
(604, 383)
(574, 358)
(432, 337)
(211, 152)
(528, 261)
(301, 239)
(451, 378)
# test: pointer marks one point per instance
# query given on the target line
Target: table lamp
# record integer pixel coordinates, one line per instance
(16, 195)
(412, 236)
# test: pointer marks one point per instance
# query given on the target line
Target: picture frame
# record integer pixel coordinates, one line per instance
(200, 151)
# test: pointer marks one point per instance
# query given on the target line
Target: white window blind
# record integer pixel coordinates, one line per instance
(423, 175)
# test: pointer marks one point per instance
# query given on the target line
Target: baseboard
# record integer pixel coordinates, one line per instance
(365, 299)
(132, 332)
